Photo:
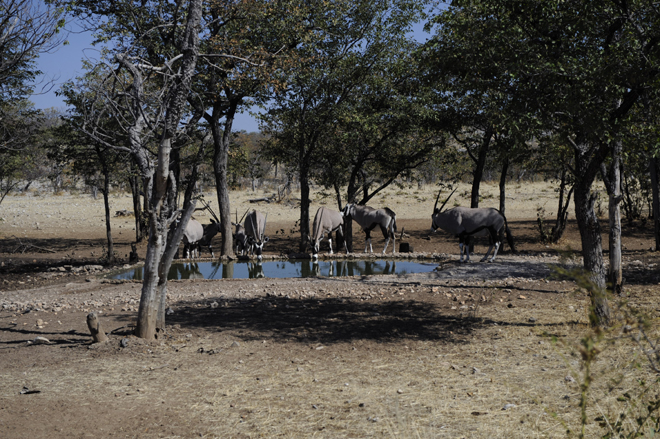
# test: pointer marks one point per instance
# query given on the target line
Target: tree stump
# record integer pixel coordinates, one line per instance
(94, 325)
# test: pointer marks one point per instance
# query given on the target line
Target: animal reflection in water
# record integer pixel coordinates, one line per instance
(256, 270)
(188, 270)
(353, 268)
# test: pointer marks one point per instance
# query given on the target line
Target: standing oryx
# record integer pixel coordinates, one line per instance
(466, 222)
(326, 221)
(197, 235)
(368, 218)
(255, 228)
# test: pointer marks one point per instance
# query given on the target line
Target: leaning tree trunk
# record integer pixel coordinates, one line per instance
(654, 168)
(592, 250)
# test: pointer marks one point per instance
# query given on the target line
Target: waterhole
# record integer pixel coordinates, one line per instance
(281, 269)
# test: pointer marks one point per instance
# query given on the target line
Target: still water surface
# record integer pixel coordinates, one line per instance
(282, 269)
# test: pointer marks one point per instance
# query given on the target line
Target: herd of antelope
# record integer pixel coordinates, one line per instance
(250, 236)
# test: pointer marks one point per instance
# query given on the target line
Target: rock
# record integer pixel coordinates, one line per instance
(235, 344)
(39, 340)
(532, 320)
(124, 342)
(169, 311)
(569, 379)
(214, 305)
(509, 406)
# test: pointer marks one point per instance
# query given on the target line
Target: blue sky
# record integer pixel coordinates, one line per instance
(66, 63)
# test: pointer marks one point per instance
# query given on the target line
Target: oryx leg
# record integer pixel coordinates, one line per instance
(494, 241)
(464, 247)
(330, 241)
(386, 235)
(340, 231)
(367, 241)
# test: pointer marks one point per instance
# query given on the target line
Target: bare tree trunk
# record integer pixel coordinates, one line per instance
(654, 168)
(160, 213)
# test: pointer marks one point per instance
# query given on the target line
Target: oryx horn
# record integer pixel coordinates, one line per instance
(241, 220)
(263, 232)
(443, 204)
(207, 206)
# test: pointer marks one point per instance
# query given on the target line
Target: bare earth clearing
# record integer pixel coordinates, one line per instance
(429, 355)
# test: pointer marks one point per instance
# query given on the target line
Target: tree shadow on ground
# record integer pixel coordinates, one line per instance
(329, 320)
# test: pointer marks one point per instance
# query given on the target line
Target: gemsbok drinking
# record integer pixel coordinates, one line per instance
(326, 221)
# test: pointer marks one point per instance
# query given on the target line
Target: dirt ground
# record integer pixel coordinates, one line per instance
(470, 350)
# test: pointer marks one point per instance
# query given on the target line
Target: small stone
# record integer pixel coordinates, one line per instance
(169, 311)
(399, 391)
(235, 344)
(509, 406)
(569, 379)
(214, 305)
(39, 340)
(124, 342)
(532, 320)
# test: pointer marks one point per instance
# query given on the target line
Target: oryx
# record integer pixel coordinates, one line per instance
(466, 222)
(197, 235)
(326, 221)
(368, 218)
(255, 228)
(240, 237)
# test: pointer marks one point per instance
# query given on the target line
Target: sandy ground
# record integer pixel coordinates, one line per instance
(470, 350)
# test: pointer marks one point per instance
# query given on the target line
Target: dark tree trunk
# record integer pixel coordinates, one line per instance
(480, 164)
(562, 209)
(654, 168)
(304, 208)
(134, 182)
(221, 140)
(505, 169)
(106, 205)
